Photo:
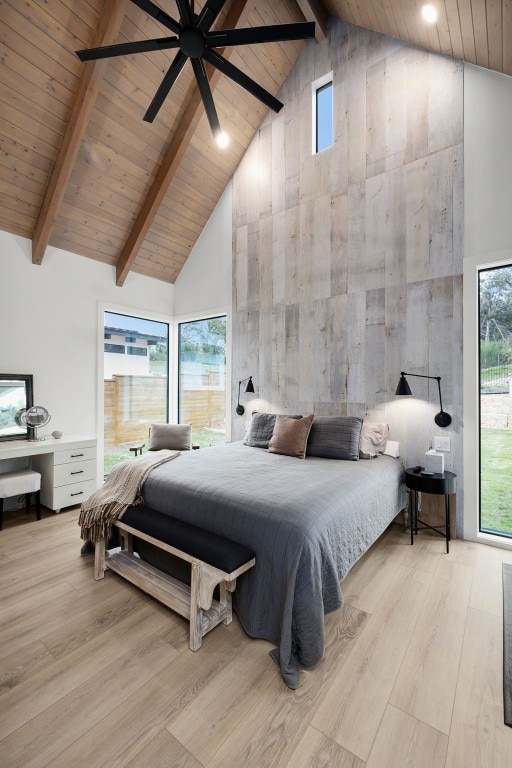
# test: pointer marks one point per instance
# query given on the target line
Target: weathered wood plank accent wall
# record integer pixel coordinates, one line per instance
(348, 264)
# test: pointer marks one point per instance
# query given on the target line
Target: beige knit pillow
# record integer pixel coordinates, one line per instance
(173, 437)
(290, 436)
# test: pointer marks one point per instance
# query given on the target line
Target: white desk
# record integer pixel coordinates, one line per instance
(67, 467)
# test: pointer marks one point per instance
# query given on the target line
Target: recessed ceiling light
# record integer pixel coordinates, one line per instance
(222, 139)
(429, 13)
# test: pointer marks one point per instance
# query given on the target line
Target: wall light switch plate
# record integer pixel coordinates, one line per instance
(442, 444)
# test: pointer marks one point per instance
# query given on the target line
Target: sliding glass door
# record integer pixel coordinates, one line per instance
(202, 379)
(495, 383)
(135, 373)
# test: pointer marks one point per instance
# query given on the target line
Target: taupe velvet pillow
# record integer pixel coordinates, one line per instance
(261, 429)
(173, 437)
(290, 436)
(373, 439)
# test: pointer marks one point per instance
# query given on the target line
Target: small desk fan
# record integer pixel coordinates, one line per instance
(33, 417)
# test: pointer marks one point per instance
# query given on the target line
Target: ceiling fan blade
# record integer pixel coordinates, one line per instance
(156, 13)
(242, 79)
(206, 95)
(165, 86)
(186, 15)
(209, 13)
(123, 49)
(274, 33)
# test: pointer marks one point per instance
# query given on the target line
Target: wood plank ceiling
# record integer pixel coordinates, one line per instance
(80, 169)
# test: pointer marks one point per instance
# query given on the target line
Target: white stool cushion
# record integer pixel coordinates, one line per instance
(14, 483)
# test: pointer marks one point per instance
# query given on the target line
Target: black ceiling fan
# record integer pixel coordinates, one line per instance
(196, 42)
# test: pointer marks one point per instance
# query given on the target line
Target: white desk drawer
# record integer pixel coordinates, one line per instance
(74, 472)
(75, 454)
(76, 493)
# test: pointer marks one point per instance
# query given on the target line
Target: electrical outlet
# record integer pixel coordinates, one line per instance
(442, 444)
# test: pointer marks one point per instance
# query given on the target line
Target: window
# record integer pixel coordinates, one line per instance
(116, 349)
(202, 379)
(495, 368)
(487, 437)
(141, 351)
(135, 383)
(322, 113)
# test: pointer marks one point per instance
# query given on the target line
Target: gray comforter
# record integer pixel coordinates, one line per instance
(308, 521)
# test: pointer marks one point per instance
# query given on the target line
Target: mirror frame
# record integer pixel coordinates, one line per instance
(27, 378)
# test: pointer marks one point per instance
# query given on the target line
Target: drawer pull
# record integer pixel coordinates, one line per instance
(79, 493)
(78, 472)
(77, 455)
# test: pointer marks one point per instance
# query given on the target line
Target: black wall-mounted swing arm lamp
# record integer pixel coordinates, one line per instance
(249, 388)
(442, 419)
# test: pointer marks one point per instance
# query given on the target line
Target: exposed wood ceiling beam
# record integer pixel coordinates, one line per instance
(92, 75)
(313, 10)
(238, 13)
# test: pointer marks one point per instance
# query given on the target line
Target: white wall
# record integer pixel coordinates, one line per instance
(487, 161)
(49, 325)
(204, 283)
(487, 241)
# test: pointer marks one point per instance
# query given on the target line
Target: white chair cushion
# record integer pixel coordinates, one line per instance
(14, 483)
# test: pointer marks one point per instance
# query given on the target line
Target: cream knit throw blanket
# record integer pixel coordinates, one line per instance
(120, 490)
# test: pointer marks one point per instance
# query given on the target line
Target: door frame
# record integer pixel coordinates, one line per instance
(471, 396)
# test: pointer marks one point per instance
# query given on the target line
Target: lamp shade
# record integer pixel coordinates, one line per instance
(403, 387)
(250, 385)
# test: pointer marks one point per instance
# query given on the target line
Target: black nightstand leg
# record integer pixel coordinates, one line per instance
(411, 515)
(447, 512)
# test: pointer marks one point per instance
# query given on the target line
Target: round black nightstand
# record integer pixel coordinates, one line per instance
(441, 484)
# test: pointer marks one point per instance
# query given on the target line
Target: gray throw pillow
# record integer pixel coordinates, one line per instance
(261, 429)
(335, 437)
(173, 437)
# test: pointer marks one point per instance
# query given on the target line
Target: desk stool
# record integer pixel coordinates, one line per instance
(21, 483)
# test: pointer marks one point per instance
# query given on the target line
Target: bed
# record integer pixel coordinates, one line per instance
(308, 523)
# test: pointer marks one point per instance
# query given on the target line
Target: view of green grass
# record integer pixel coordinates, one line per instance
(204, 438)
(496, 474)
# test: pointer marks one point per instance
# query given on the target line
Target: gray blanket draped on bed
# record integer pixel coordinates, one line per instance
(308, 521)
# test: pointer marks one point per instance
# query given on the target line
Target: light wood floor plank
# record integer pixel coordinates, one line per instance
(486, 590)
(99, 675)
(403, 740)
(268, 735)
(139, 658)
(41, 692)
(317, 751)
(369, 673)
(162, 752)
(425, 686)
(23, 664)
(120, 735)
(371, 576)
(478, 737)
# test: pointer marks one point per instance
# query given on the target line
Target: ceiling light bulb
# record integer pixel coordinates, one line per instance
(429, 13)
(222, 139)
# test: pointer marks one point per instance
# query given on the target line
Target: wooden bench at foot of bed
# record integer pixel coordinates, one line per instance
(214, 562)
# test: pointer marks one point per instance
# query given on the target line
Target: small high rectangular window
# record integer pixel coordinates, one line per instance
(322, 113)
(117, 349)
(140, 351)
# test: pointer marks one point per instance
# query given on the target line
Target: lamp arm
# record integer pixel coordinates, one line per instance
(422, 376)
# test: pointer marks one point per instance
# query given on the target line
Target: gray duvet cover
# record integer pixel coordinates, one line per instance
(308, 521)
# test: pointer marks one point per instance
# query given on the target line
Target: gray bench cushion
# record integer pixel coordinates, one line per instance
(208, 547)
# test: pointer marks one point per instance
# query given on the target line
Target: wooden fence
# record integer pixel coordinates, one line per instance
(132, 403)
